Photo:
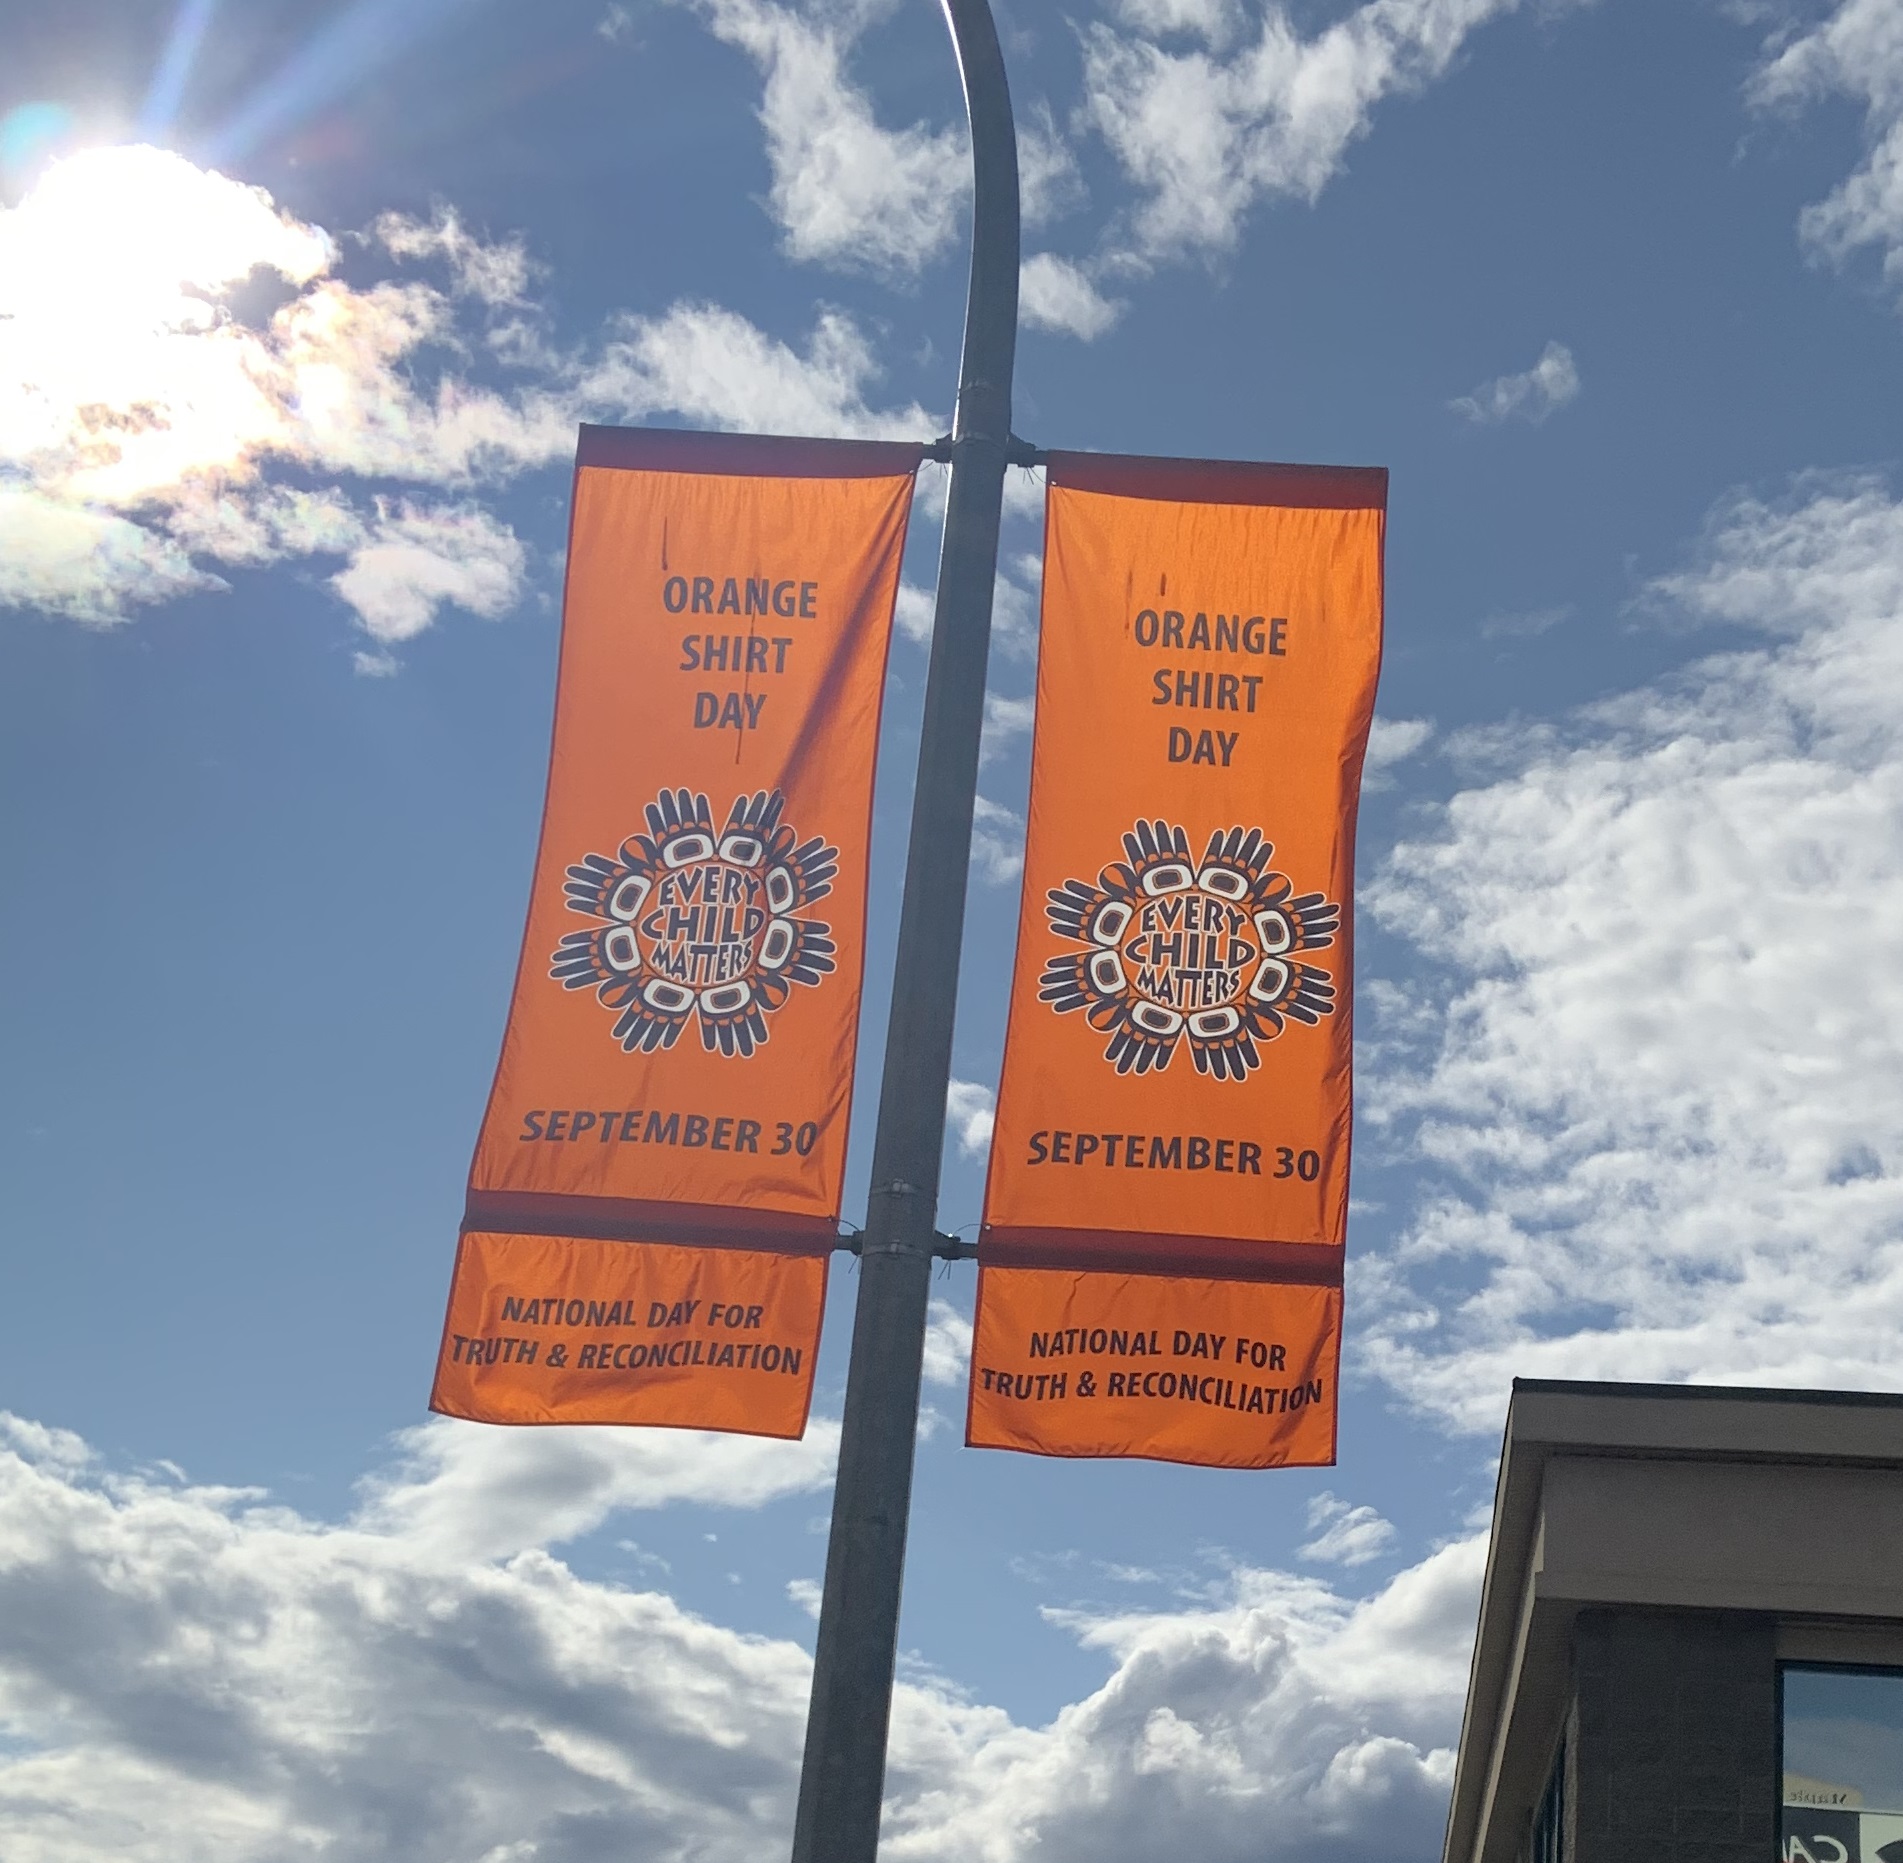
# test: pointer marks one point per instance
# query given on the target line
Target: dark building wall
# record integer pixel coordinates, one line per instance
(1675, 1738)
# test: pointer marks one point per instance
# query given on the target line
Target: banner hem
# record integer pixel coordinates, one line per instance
(629, 1219)
(1222, 481)
(743, 455)
(1214, 1258)
(1154, 1455)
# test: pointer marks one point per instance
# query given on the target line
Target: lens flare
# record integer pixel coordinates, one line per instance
(362, 37)
(28, 135)
(167, 90)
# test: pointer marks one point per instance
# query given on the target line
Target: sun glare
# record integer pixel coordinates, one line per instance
(120, 369)
(134, 234)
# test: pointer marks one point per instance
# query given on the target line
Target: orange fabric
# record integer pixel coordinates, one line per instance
(1223, 1373)
(677, 1065)
(1176, 1080)
(679, 1050)
(549, 1329)
(1243, 1135)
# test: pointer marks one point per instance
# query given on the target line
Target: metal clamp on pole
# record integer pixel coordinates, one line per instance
(892, 1238)
(944, 1247)
(843, 1778)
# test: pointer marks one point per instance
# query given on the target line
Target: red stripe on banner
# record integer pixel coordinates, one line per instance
(1222, 481)
(745, 455)
(1316, 1264)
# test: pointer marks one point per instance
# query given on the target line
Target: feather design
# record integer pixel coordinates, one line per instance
(739, 1030)
(642, 1027)
(1133, 997)
(778, 873)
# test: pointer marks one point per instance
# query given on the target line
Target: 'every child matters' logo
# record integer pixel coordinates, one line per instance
(1178, 949)
(691, 924)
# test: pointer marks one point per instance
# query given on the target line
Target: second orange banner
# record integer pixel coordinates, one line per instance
(1171, 1151)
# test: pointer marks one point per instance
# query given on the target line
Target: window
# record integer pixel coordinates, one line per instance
(1843, 1766)
(1549, 1821)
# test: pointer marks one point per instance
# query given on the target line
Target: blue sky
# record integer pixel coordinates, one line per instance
(286, 405)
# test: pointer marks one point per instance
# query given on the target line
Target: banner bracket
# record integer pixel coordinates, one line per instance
(1017, 451)
(944, 1247)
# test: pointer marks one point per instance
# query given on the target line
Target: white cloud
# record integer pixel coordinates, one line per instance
(969, 1111)
(187, 1672)
(1050, 183)
(997, 842)
(1013, 606)
(807, 1594)
(467, 1491)
(135, 403)
(1345, 1534)
(846, 191)
(1006, 720)
(89, 565)
(498, 273)
(616, 24)
(718, 370)
(126, 378)
(1392, 741)
(917, 613)
(65, 1450)
(159, 222)
(1024, 493)
(1858, 53)
(1204, 132)
(947, 1345)
(415, 559)
(1278, 1723)
(149, 421)
(1531, 395)
(264, 523)
(194, 1672)
(1057, 294)
(1215, 22)
(1659, 1081)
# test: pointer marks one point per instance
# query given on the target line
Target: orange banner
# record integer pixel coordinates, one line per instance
(1234, 1374)
(551, 1329)
(1175, 1098)
(678, 1060)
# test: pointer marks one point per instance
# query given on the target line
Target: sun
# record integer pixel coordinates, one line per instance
(120, 371)
(134, 234)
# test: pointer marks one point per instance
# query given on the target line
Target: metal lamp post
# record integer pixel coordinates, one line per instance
(843, 1778)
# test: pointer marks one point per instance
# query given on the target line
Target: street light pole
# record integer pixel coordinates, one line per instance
(843, 1778)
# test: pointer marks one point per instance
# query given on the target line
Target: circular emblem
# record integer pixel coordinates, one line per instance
(1179, 949)
(697, 924)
